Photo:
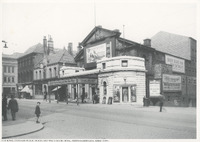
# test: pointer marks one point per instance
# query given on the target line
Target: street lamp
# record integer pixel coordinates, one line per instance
(5, 46)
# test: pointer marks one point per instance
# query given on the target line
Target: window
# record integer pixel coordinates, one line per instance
(76, 70)
(104, 88)
(50, 73)
(8, 69)
(4, 68)
(12, 69)
(103, 65)
(13, 79)
(5, 79)
(55, 72)
(124, 63)
(40, 75)
(63, 72)
(8, 79)
(108, 50)
(36, 75)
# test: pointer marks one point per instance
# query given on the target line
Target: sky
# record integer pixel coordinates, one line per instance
(24, 24)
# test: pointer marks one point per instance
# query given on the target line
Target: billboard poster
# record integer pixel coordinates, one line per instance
(96, 53)
(171, 82)
(178, 65)
(154, 87)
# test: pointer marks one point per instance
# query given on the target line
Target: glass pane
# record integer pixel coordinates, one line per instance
(116, 95)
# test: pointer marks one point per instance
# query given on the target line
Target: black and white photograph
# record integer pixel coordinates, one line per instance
(99, 70)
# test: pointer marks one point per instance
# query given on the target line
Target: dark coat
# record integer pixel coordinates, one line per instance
(13, 105)
(37, 110)
(4, 105)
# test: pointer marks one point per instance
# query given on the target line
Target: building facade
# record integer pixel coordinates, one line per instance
(9, 75)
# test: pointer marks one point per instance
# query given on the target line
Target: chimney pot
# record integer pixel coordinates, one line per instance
(147, 42)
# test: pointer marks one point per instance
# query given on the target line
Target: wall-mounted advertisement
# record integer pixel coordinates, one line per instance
(96, 53)
(178, 65)
(154, 87)
(171, 82)
(116, 94)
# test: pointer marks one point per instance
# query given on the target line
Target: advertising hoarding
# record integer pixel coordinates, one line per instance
(95, 53)
(154, 87)
(178, 65)
(171, 82)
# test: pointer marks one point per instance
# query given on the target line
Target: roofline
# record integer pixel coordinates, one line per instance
(29, 54)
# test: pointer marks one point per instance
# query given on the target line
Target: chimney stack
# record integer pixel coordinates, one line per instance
(147, 42)
(79, 47)
(45, 45)
(70, 48)
(50, 45)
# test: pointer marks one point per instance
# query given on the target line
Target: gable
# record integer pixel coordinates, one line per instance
(98, 34)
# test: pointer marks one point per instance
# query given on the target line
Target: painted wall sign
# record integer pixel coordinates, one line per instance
(178, 65)
(154, 87)
(72, 81)
(95, 53)
(171, 82)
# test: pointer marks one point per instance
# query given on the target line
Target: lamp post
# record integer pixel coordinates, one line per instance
(5, 46)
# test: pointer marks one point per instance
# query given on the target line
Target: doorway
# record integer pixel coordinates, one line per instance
(125, 95)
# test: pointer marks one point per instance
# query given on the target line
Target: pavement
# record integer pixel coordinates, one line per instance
(30, 126)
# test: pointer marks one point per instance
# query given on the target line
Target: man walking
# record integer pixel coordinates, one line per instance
(13, 106)
(37, 112)
(4, 108)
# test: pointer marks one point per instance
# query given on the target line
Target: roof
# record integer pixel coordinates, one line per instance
(97, 28)
(62, 56)
(38, 48)
(173, 44)
(134, 44)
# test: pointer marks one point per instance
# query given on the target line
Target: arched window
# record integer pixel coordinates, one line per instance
(55, 72)
(36, 75)
(50, 73)
(40, 75)
(104, 88)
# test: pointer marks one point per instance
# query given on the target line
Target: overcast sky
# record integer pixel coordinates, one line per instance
(25, 24)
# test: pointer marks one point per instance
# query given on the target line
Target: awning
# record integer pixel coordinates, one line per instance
(55, 89)
(26, 89)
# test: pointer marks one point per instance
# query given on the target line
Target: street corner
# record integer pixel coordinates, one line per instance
(28, 127)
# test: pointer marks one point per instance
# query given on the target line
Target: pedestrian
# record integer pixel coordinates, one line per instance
(161, 102)
(58, 98)
(4, 108)
(45, 96)
(37, 112)
(83, 97)
(13, 106)
(93, 98)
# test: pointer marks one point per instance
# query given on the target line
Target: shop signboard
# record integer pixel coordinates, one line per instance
(171, 82)
(178, 65)
(96, 53)
(154, 87)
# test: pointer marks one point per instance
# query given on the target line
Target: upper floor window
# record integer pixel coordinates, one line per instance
(12, 69)
(8, 79)
(55, 71)
(8, 69)
(63, 72)
(13, 79)
(103, 65)
(36, 75)
(50, 73)
(124, 63)
(40, 75)
(4, 68)
(5, 79)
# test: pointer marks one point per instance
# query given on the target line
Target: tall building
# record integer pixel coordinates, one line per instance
(9, 74)
(179, 52)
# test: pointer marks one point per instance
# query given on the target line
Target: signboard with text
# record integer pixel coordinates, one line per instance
(154, 87)
(171, 82)
(178, 65)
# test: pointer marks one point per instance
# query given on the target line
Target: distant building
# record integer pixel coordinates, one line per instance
(9, 75)
(179, 52)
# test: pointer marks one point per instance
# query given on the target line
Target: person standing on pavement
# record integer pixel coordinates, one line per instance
(13, 106)
(161, 102)
(4, 108)
(37, 112)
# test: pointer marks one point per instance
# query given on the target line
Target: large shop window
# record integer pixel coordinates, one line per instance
(116, 95)
(125, 94)
(104, 88)
(133, 93)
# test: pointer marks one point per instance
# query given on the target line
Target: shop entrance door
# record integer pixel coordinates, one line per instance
(125, 95)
